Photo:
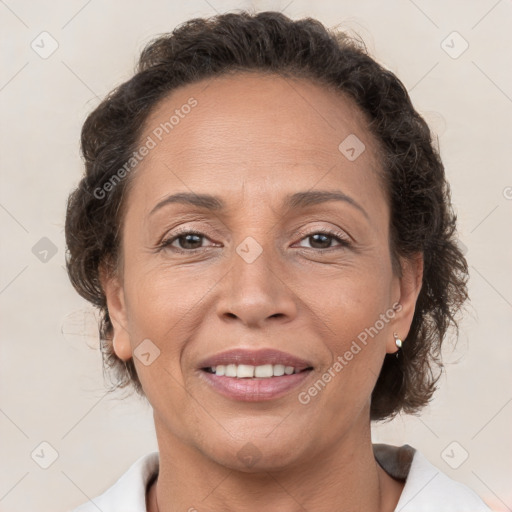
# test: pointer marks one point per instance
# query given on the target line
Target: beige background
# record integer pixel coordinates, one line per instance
(51, 377)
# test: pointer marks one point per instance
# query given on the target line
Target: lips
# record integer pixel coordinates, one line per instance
(248, 388)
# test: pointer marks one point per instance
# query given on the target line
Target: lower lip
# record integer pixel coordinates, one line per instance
(255, 390)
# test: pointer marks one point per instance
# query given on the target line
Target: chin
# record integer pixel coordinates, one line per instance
(257, 451)
(250, 458)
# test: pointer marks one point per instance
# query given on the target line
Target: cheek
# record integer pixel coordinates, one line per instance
(160, 300)
(355, 300)
(165, 306)
(358, 311)
(160, 308)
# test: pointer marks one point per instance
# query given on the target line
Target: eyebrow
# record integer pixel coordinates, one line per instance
(294, 201)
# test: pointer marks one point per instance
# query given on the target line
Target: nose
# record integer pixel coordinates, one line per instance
(254, 291)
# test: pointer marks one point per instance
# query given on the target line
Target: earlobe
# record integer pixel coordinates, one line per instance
(114, 294)
(121, 346)
(410, 287)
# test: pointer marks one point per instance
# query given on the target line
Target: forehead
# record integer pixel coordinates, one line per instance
(254, 128)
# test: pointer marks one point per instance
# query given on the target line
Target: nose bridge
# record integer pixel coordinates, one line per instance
(253, 273)
(255, 291)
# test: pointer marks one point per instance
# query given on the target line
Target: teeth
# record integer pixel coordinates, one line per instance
(244, 371)
(264, 371)
(279, 370)
(230, 370)
(247, 371)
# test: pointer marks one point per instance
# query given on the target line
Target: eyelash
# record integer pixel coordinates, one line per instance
(339, 237)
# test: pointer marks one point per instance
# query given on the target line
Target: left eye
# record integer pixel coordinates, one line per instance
(320, 238)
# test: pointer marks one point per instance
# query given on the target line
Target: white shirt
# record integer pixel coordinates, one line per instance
(426, 488)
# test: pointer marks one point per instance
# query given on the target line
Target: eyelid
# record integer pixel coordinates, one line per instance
(332, 230)
(319, 229)
(184, 227)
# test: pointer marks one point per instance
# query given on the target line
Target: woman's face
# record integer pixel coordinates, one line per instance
(260, 276)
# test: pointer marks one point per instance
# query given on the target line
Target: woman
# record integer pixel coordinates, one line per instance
(267, 230)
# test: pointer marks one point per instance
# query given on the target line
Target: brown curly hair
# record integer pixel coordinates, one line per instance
(422, 219)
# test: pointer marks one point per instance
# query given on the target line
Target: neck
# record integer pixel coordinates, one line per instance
(342, 478)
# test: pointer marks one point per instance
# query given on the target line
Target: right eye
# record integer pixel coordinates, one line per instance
(185, 239)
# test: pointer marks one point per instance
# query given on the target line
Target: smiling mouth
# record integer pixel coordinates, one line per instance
(246, 375)
(247, 371)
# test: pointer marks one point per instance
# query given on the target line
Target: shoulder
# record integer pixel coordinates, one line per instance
(426, 487)
(129, 492)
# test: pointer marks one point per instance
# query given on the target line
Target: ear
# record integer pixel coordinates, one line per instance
(116, 304)
(409, 288)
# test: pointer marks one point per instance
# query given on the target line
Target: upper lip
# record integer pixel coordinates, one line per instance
(255, 358)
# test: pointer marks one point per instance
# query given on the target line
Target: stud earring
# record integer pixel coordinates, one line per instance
(398, 343)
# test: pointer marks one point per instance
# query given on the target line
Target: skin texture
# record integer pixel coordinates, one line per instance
(251, 140)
